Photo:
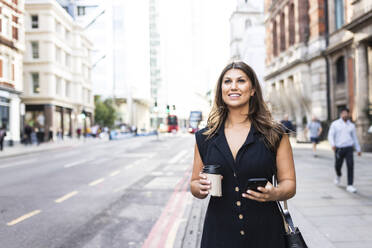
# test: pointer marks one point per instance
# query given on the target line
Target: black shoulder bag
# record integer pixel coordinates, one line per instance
(293, 237)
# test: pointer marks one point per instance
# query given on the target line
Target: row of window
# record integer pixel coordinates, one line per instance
(7, 68)
(340, 73)
(59, 54)
(7, 29)
(291, 31)
(59, 91)
(58, 27)
(339, 22)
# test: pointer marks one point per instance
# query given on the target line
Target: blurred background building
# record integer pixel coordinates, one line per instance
(11, 67)
(318, 60)
(247, 29)
(57, 71)
(296, 80)
(349, 57)
(120, 54)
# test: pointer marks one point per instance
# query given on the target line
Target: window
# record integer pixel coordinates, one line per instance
(282, 32)
(248, 23)
(13, 72)
(15, 33)
(340, 70)
(68, 89)
(35, 49)
(6, 26)
(68, 35)
(4, 112)
(35, 83)
(58, 54)
(68, 60)
(58, 27)
(275, 39)
(34, 21)
(339, 13)
(58, 86)
(14, 19)
(291, 25)
(6, 67)
(81, 10)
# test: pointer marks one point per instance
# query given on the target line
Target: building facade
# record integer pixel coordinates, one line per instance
(117, 61)
(57, 72)
(11, 78)
(248, 35)
(349, 54)
(296, 80)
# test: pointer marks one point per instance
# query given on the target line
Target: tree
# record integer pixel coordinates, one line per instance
(104, 113)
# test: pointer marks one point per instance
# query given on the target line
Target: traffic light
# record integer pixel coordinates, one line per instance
(168, 109)
(174, 107)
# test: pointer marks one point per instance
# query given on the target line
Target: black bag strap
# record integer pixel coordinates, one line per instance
(285, 212)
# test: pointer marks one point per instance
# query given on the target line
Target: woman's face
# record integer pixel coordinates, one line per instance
(236, 88)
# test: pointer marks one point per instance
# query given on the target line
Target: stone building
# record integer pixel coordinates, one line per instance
(248, 35)
(349, 54)
(296, 77)
(319, 61)
(57, 71)
(11, 79)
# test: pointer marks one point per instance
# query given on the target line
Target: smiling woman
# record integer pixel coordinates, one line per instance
(242, 138)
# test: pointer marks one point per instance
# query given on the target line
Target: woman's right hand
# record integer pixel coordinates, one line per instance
(204, 185)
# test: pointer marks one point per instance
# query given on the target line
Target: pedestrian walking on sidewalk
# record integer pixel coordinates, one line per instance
(28, 131)
(2, 136)
(315, 130)
(343, 139)
(242, 138)
(287, 124)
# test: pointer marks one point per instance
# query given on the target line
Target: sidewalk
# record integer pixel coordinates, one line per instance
(328, 216)
(21, 149)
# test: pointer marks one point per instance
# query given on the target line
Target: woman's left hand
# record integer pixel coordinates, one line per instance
(266, 194)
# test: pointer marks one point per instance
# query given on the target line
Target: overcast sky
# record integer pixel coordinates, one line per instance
(195, 37)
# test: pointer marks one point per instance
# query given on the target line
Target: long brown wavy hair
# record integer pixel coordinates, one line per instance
(259, 115)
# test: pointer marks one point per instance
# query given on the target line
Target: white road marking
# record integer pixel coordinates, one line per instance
(28, 161)
(134, 155)
(76, 163)
(115, 173)
(24, 217)
(65, 197)
(178, 157)
(98, 181)
(130, 166)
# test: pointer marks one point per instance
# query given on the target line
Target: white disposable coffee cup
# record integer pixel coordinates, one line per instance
(214, 176)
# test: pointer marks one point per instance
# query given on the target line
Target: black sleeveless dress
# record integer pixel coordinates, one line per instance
(232, 221)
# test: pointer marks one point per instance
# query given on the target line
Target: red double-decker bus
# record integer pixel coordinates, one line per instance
(172, 123)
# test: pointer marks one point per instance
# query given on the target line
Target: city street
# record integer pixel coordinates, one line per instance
(106, 194)
(135, 193)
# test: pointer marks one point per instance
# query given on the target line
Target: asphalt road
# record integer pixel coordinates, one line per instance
(109, 194)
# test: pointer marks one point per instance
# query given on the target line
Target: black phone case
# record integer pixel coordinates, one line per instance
(254, 183)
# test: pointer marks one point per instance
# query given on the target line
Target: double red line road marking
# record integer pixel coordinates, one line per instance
(162, 235)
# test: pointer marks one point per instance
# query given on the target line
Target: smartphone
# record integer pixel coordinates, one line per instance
(254, 183)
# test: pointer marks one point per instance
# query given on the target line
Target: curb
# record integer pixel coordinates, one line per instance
(42, 150)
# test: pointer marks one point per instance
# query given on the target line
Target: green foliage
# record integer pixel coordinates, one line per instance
(105, 113)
